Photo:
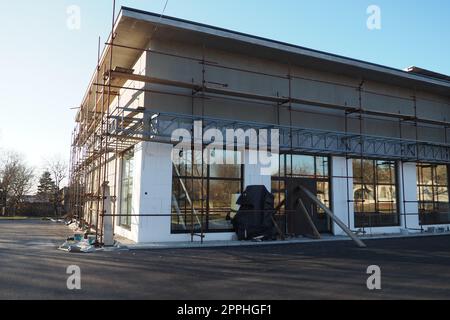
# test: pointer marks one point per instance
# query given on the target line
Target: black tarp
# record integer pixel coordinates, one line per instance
(255, 216)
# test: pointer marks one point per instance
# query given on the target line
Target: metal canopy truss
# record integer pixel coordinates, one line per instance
(161, 126)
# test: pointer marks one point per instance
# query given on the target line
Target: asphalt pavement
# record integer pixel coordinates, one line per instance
(31, 267)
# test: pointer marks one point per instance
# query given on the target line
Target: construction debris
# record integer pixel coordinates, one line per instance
(254, 219)
(80, 243)
(53, 220)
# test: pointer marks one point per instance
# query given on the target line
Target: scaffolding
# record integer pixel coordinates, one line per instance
(106, 129)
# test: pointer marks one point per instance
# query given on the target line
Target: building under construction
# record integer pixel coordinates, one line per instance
(370, 142)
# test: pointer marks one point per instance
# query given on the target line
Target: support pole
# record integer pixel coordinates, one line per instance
(334, 218)
(304, 211)
(108, 235)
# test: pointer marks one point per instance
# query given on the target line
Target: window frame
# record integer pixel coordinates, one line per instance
(206, 200)
(281, 179)
(126, 215)
(434, 186)
(376, 185)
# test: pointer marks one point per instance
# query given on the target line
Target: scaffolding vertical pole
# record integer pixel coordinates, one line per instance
(347, 170)
(100, 134)
(71, 167)
(193, 162)
(416, 126)
(106, 117)
(203, 166)
(114, 197)
(291, 133)
(93, 167)
(402, 171)
(361, 141)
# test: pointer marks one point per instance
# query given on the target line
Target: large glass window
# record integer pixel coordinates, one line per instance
(203, 200)
(432, 194)
(299, 166)
(126, 189)
(375, 193)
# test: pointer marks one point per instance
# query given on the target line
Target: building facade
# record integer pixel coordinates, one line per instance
(369, 141)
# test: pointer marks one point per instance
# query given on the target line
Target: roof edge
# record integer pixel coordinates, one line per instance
(284, 46)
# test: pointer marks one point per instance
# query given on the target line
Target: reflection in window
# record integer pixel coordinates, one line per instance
(219, 201)
(126, 189)
(323, 193)
(299, 166)
(432, 194)
(204, 203)
(375, 193)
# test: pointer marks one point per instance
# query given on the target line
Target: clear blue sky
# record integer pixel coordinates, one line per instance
(45, 67)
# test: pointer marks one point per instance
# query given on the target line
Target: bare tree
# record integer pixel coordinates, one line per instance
(16, 180)
(59, 170)
(21, 185)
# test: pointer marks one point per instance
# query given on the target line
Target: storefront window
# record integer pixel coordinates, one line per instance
(299, 167)
(126, 189)
(375, 193)
(432, 194)
(204, 202)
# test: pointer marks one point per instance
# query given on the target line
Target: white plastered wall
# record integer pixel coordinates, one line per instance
(130, 99)
(342, 192)
(409, 207)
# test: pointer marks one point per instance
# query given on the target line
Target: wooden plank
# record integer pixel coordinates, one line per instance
(245, 95)
(334, 218)
(147, 79)
(302, 209)
(278, 228)
(192, 86)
